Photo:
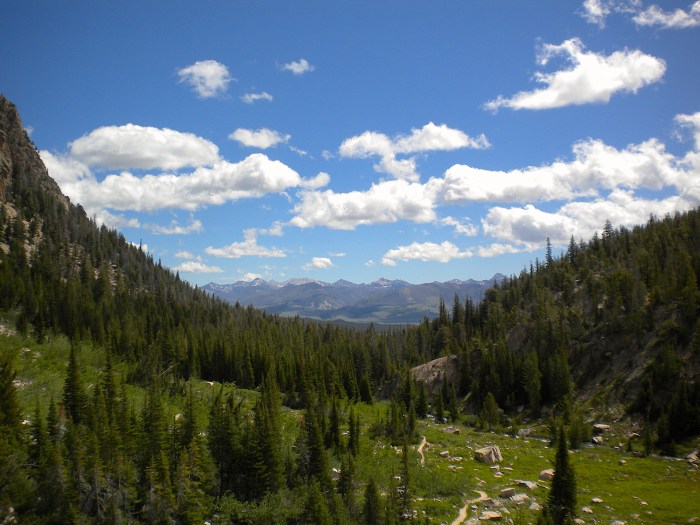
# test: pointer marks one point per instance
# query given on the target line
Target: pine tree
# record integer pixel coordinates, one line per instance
(74, 396)
(422, 402)
(562, 495)
(354, 432)
(371, 511)
(269, 456)
(316, 510)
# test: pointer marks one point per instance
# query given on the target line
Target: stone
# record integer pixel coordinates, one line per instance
(621, 462)
(445, 454)
(507, 492)
(451, 430)
(597, 440)
(519, 498)
(488, 455)
(617, 522)
(599, 428)
(529, 485)
(489, 515)
(579, 521)
(535, 506)
(495, 468)
(587, 510)
(525, 432)
(546, 475)
(596, 501)
(498, 475)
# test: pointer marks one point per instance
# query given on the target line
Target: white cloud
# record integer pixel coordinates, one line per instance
(247, 248)
(184, 254)
(529, 226)
(460, 228)
(497, 249)
(208, 78)
(138, 147)
(592, 78)
(427, 251)
(298, 67)
(262, 138)
(430, 137)
(369, 264)
(596, 11)
(318, 263)
(299, 151)
(677, 19)
(175, 229)
(595, 166)
(384, 202)
(250, 276)
(254, 176)
(693, 123)
(251, 98)
(196, 267)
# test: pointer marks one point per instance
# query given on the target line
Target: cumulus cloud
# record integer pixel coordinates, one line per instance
(430, 137)
(254, 176)
(592, 77)
(529, 226)
(318, 263)
(196, 267)
(249, 247)
(596, 12)
(184, 254)
(139, 147)
(262, 138)
(427, 251)
(298, 67)
(251, 98)
(676, 19)
(595, 166)
(384, 202)
(208, 78)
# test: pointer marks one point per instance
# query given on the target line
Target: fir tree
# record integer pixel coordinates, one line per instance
(74, 396)
(562, 495)
(371, 510)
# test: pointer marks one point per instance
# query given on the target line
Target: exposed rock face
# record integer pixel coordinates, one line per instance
(18, 156)
(435, 372)
(488, 455)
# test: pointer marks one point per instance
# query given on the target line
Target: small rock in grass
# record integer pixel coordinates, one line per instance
(519, 498)
(596, 500)
(546, 474)
(507, 492)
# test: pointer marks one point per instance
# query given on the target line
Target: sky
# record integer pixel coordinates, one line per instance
(414, 140)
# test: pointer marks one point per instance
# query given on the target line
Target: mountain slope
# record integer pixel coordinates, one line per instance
(383, 301)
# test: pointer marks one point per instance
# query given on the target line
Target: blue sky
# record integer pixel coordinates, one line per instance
(409, 140)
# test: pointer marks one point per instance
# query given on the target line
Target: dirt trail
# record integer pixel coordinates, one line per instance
(420, 450)
(463, 511)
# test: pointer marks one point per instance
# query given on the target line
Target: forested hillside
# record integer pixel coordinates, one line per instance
(612, 321)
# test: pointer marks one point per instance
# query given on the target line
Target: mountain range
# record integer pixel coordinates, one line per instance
(383, 301)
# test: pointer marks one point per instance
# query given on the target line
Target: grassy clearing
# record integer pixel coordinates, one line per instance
(634, 490)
